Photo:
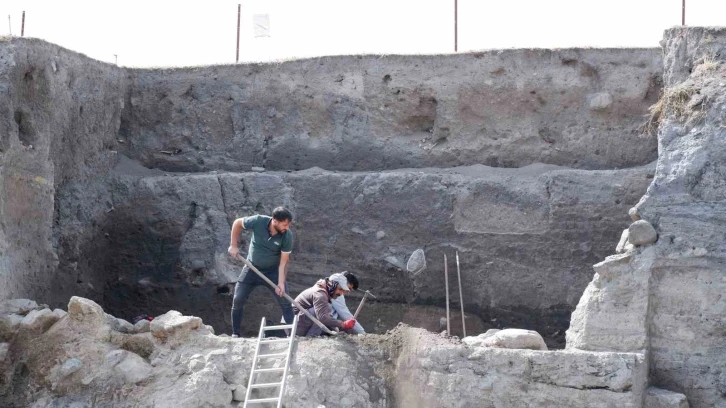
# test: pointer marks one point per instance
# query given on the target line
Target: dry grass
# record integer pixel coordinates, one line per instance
(673, 101)
(709, 63)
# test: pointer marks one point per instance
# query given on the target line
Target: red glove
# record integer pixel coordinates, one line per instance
(348, 324)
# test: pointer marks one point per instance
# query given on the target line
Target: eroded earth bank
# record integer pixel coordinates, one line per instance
(119, 187)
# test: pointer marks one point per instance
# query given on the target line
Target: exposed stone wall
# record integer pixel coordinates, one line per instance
(580, 108)
(100, 235)
(59, 117)
(526, 237)
(668, 297)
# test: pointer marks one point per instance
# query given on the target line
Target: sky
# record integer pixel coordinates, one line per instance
(153, 33)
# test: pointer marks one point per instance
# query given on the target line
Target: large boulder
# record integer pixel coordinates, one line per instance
(476, 341)
(515, 339)
(641, 233)
(84, 310)
(174, 323)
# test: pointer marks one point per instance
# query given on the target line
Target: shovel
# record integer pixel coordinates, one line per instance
(286, 296)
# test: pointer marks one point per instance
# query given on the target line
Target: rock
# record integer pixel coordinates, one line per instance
(613, 265)
(4, 347)
(641, 233)
(380, 235)
(196, 363)
(623, 244)
(142, 326)
(612, 313)
(9, 325)
(442, 323)
(634, 214)
(659, 398)
(600, 101)
(86, 311)
(131, 367)
(18, 306)
(476, 341)
(173, 323)
(205, 388)
(515, 339)
(125, 326)
(39, 320)
(60, 313)
(69, 367)
(239, 393)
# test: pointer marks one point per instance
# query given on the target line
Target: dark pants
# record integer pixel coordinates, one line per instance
(247, 282)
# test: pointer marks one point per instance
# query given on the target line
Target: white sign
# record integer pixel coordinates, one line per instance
(261, 23)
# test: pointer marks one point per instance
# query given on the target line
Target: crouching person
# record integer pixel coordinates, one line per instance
(340, 309)
(316, 300)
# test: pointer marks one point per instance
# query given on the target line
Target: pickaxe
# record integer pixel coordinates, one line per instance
(362, 302)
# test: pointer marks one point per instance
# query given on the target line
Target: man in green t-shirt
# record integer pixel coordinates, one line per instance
(269, 251)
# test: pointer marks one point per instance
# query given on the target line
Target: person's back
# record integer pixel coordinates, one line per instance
(316, 300)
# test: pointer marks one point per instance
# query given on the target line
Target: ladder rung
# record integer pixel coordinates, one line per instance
(268, 385)
(256, 401)
(274, 341)
(280, 327)
(273, 355)
(265, 370)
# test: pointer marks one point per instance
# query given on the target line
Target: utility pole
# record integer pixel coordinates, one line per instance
(22, 26)
(239, 11)
(456, 25)
(10, 28)
(683, 14)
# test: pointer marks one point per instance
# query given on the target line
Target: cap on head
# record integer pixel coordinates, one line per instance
(341, 280)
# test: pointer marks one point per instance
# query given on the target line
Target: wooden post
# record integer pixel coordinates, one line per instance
(239, 11)
(683, 13)
(22, 26)
(461, 297)
(448, 315)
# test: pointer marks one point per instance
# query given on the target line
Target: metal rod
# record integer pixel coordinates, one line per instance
(22, 26)
(239, 11)
(456, 25)
(461, 297)
(286, 296)
(448, 315)
(683, 13)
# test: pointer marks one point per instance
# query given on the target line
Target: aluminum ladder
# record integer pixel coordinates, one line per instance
(262, 341)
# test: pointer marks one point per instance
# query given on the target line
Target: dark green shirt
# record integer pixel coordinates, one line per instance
(265, 249)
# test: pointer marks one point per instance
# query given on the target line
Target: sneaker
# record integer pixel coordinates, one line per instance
(235, 336)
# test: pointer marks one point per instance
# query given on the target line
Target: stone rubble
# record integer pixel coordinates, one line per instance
(81, 360)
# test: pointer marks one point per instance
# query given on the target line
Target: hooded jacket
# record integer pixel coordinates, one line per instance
(315, 297)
